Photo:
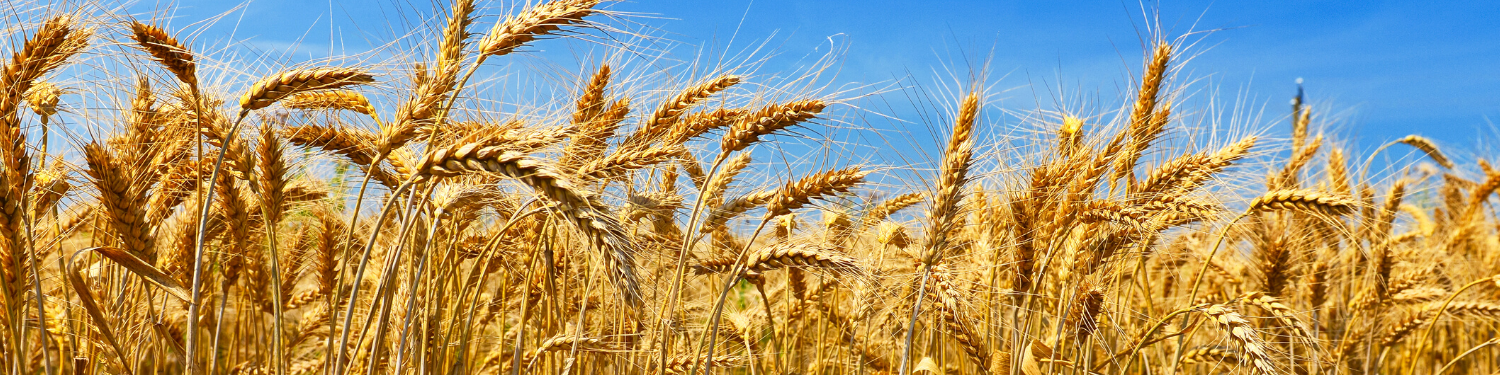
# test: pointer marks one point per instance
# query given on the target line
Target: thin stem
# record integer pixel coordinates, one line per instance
(1364, 171)
(681, 272)
(278, 359)
(385, 292)
(213, 360)
(771, 325)
(1427, 333)
(36, 279)
(916, 309)
(1466, 353)
(191, 346)
(364, 262)
(437, 218)
(1141, 341)
(1198, 280)
(359, 201)
(1133, 348)
(733, 278)
(516, 353)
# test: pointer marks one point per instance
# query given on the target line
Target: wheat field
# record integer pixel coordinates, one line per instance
(347, 217)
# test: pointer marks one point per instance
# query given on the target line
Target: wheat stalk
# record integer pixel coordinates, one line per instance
(952, 176)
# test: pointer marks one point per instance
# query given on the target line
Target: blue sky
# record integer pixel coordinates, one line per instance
(1385, 68)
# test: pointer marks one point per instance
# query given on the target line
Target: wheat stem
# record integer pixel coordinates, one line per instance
(364, 261)
(680, 273)
(1427, 333)
(190, 348)
(1466, 353)
(1141, 341)
(731, 279)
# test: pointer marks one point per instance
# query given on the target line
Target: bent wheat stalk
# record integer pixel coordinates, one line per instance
(1427, 333)
(590, 217)
(264, 93)
(131, 263)
(1295, 199)
(1415, 141)
(789, 197)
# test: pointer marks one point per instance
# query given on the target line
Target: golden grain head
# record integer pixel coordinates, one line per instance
(271, 89)
(535, 221)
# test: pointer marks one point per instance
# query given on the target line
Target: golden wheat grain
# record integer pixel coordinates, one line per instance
(697, 124)
(588, 216)
(820, 185)
(957, 322)
(667, 114)
(1210, 354)
(273, 88)
(714, 189)
(345, 100)
(1083, 315)
(625, 161)
(885, 209)
(120, 200)
(535, 22)
(272, 178)
(953, 175)
(768, 120)
(1429, 148)
(1305, 201)
(681, 365)
(1280, 311)
(167, 51)
(1242, 334)
(1401, 329)
(44, 97)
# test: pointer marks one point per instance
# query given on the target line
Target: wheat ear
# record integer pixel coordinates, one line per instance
(533, 23)
(345, 100)
(820, 185)
(788, 255)
(167, 51)
(1210, 354)
(1309, 201)
(666, 115)
(271, 89)
(885, 209)
(1427, 146)
(593, 131)
(953, 174)
(121, 201)
(1280, 311)
(1240, 331)
(767, 120)
(589, 216)
(1146, 123)
(697, 124)
(1438, 313)
(957, 322)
